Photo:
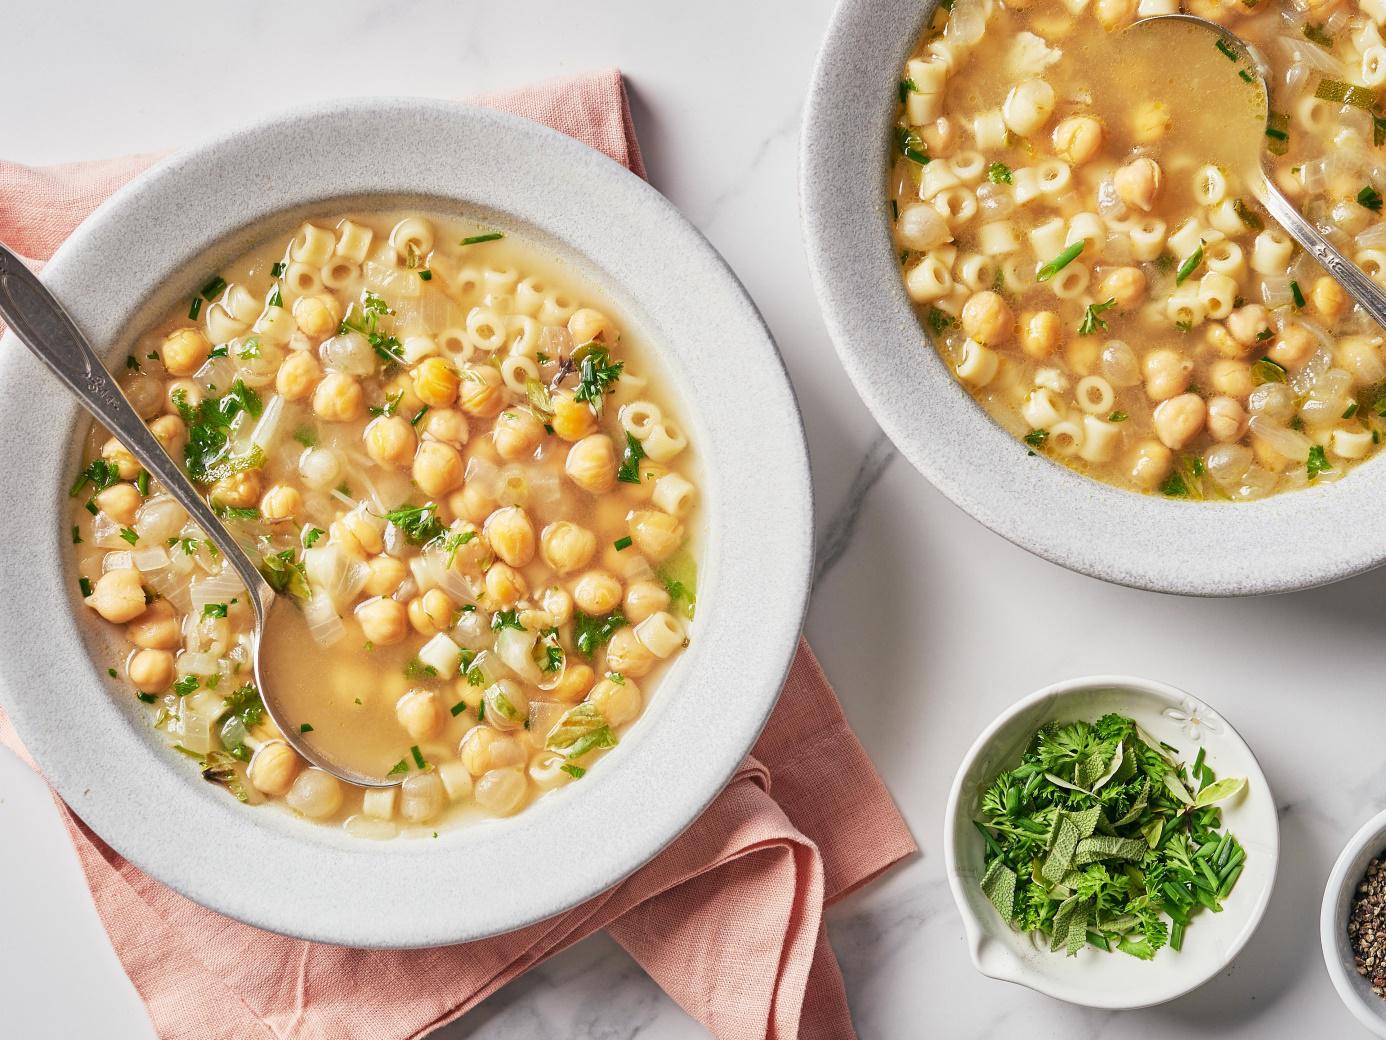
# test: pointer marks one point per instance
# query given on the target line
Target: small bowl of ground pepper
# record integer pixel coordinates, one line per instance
(1352, 925)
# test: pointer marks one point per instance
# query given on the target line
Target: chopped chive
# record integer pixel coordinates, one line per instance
(418, 756)
(1190, 264)
(1316, 34)
(307, 727)
(147, 698)
(1246, 76)
(623, 543)
(458, 708)
(1351, 411)
(213, 289)
(129, 535)
(1226, 49)
(911, 145)
(277, 269)
(195, 309)
(85, 585)
(1061, 261)
(907, 87)
(418, 416)
(91, 508)
(76, 535)
(142, 483)
(472, 240)
(1248, 217)
(1225, 889)
(425, 275)
(1298, 295)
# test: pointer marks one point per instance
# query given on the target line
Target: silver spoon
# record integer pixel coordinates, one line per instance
(1242, 130)
(40, 322)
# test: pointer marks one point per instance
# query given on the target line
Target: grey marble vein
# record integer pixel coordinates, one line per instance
(842, 525)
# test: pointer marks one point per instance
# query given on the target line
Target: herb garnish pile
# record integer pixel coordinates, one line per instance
(1100, 837)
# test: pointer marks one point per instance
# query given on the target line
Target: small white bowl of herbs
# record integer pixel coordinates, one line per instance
(1110, 841)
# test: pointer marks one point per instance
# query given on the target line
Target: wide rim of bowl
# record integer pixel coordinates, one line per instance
(978, 933)
(1365, 845)
(155, 241)
(1203, 548)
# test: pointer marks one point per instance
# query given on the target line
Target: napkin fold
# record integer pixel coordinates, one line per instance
(728, 919)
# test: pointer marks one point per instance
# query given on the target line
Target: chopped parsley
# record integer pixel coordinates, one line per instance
(286, 574)
(306, 727)
(576, 772)
(390, 406)
(999, 173)
(1370, 198)
(365, 319)
(99, 473)
(1092, 321)
(1174, 486)
(214, 610)
(186, 685)
(311, 536)
(1317, 462)
(1036, 438)
(629, 473)
(911, 145)
(596, 374)
(416, 669)
(593, 631)
(420, 524)
(503, 619)
(147, 698)
(940, 320)
(1118, 416)
(399, 768)
(208, 450)
(425, 275)
(907, 87)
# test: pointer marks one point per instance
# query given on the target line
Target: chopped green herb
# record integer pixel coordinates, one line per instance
(477, 239)
(84, 584)
(1189, 265)
(1341, 93)
(418, 416)
(418, 757)
(76, 535)
(907, 87)
(1316, 34)
(1370, 198)
(1317, 462)
(425, 275)
(629, 473)
(111, 672)
(416, 669)
(1226, 49)
(999, 173)
(132, 363)
(596, 374)
(186, 685)
(623, 543)
(277, 269)
(419, 524)
(99, 473)
(276, 298)
(308, 438)
(502, 619)
(1298, 295)
(129, 535)
(1174, 486)
(311, 536)
(286, 574)
(593, 631)
(1091, 317)
(1036, 438)
(1248, 216)
(1278, 130)
(1378, 130)
(1118, 416)
(940, 320)
(576, 772)
(142, 483)
(147, 698)
(1247, 77)
(236, 513)
(1061, 261)
(214, 288)
(1351, 410)
(389, 407)
(208, 450)
(1267, 371)
(195, 308)
(214, 610)
(458, 708)
(911, 145)
(399, 768)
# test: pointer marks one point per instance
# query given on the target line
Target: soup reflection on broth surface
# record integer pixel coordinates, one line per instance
(1075, 227)
(458, 462)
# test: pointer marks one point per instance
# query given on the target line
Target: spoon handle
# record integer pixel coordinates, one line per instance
(1365, 292)
(41, 324)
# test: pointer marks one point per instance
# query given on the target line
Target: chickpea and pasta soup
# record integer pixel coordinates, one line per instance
(1079, 238)
(447, 449)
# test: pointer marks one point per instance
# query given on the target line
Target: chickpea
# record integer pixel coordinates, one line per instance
(1150, 122)
(384, 622)
(1232, 378)
(484, 748)
(987, 318)
(474, 554)
(592, 463)
(239, 490)
(501, 791)
(510, 534)
(1249, 325)
(1083, 355)
(573, 686)
(627, 655)
(184, 392)
(273, 768)
(1179, 420)
(642, 599)
(419, 712)
(1077, 139)
(421, 797)
(157, 628)
(1149, 463)
(339, 398)
(1328, 298)
(1220, 341)
(516, 434)
(118, 595)
(481, 393)
(437, 468)
(297, 376)
(390, 440)
(184, 351)
(431, 613)
(387, 574)
(619, 702)
(597, 592)
(1115, 14)
(558, 605)
(151, 670)
(1360, 356)
(447, 425)
(1293, 346)
(281, 502)
(435, 382)
(1126, 285)
(473, 503)
(1040, 333)
(127, 466)
(401, 388)
(1138, 182)
(572, 419)
(362, 532)
(120, 502)
(315, 794)
(588, 324)
(170, 432)
(1226, 419)
(656, 534)
(505, 586)
(566, 546)
(317, 316)
(1167, 373)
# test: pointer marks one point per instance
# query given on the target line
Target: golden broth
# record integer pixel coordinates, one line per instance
(447, 451)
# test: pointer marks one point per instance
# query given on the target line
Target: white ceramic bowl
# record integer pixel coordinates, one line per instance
(1203, 548)
(1355, 991)
(152, 244)
(1095, 978)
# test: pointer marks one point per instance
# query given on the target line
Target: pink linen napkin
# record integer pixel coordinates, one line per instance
(728, 919)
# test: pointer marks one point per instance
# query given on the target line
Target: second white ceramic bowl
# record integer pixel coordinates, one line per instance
(1364, 846)
(1095, 978)
(153, 243)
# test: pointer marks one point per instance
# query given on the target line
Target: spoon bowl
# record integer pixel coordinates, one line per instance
(40, 322)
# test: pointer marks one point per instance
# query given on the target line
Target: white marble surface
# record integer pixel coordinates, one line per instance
(927, 623)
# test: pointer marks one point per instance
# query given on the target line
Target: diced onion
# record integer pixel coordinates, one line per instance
(217, 373)
(350, 352)
(390, 281)
(359, 826)
(516, 649)
(471, 631)
(334, 574)
(482, 475)
(320, 467)
(267, 429)
(1290, 443)
(116, 561)
(543, 716)
(105, 533)
(198, 663)
(324, 625)
(159, 519)
(221, 588)
(148, 560)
